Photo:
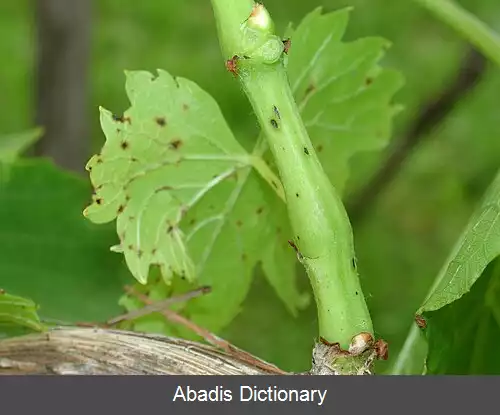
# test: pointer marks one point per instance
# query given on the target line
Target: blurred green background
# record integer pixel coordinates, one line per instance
(403, 236)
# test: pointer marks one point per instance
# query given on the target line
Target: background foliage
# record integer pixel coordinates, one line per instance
(402, 240)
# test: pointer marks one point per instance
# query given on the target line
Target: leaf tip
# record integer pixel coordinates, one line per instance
(141, 278)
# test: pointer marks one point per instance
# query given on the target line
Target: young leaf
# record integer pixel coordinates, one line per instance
(18, 312)
(344, 96)
(462, 310)
(185, 196)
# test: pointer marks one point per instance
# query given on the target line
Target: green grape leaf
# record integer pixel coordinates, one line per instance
(18, 312)
(343, 95)
(51, 255)
(186, 198)
(462, 310)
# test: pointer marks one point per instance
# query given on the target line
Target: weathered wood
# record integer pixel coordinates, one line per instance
(87, 351)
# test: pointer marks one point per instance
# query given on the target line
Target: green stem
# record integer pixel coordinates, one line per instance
(473, 29)
(322, 231)
(264, 170)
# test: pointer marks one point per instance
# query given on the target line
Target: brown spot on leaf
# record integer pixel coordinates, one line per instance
(192, 221)
(124, 145)
(239, 223)
(274, 123)
(175, 144)
(153, 251)
(170, 229)
(306, 151)
(140, 253)
(260, 210)
(127, 198)
(275, 185)
(131, 217)
(185, 107)
(121, 208)
(99, 200)
(99, 160)
(244, 256)
(320, 148)
(2, 291)
(296, 195)
(368, 81)
(134, 159)
(130, 247)
(161, 121)
(122, 119)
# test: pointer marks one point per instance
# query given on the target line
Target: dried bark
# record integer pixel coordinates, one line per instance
(87, 351)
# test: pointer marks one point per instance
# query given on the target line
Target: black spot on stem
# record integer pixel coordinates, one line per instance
(275, 109)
